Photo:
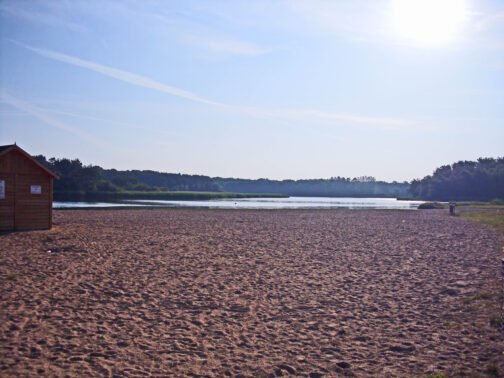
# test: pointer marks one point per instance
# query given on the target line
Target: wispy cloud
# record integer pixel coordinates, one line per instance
(125, 76)
(206, 38)
(106, 121)
(153, 20)
(222, 44)
(357, 20)
(146, 82)
(307, 114)
(41, 115)
(40, 16)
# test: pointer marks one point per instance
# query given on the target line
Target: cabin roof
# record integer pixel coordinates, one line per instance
(11, 147)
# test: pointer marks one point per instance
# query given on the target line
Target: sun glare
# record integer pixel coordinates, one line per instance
(427, 23)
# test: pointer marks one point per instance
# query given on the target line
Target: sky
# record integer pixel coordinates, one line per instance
(255, 89)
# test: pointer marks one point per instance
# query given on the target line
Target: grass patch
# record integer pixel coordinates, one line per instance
(437, 375)
(484, 296)
(467, 300)
(493, 370)
(11, 277)
(496, 321)
(123, 195)
(492, 205)
(493, 217)
(193, 195)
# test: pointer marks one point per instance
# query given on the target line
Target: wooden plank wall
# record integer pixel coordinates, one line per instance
(32, 209)
(21, 210)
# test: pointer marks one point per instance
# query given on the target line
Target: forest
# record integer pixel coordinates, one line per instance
(365, 186)
(76, 178)
(481, 180)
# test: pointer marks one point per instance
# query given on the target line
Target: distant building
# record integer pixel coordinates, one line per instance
(26, 191)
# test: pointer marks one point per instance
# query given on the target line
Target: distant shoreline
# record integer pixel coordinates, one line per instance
(82, 196)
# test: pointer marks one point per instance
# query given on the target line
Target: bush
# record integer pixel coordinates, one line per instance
(431, 205)
(106, 186)
(143, 188)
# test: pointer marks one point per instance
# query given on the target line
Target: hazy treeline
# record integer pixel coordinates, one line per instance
(76, 177)
(73, 175)
(465, 180)
(150, 180)
(365, 186)
(481, 180)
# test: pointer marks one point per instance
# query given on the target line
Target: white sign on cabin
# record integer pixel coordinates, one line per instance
(35, 189)
(2, 189)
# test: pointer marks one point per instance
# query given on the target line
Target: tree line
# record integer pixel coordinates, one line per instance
(77, 177)
(481, 180)
(365, 186)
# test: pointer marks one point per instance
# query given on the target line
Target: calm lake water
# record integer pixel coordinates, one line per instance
(63, 205)
(261, 203)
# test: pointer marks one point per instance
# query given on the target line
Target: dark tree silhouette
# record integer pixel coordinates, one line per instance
(74, 176)
(481, 180)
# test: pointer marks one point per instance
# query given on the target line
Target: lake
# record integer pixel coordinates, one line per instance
(259, 203)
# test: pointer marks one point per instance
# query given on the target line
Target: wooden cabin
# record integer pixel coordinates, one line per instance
(26, 191)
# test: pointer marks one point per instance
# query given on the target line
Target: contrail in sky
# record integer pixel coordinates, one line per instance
(128, 77)
(146, 82)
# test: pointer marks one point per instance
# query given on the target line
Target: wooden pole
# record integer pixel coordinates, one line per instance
(452, 209)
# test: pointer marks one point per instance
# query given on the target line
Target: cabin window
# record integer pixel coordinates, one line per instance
(2, 189)
(35, 189)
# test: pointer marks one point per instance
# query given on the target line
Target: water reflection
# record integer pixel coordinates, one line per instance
(260, 203)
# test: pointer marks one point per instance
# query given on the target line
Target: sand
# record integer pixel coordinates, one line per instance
(250, 293)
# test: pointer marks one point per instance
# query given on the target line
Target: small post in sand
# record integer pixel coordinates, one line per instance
(452, 208)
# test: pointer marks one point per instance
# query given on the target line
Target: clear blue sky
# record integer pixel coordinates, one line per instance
(276, 89)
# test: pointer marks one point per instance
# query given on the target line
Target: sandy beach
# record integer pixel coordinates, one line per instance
(250, 293)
